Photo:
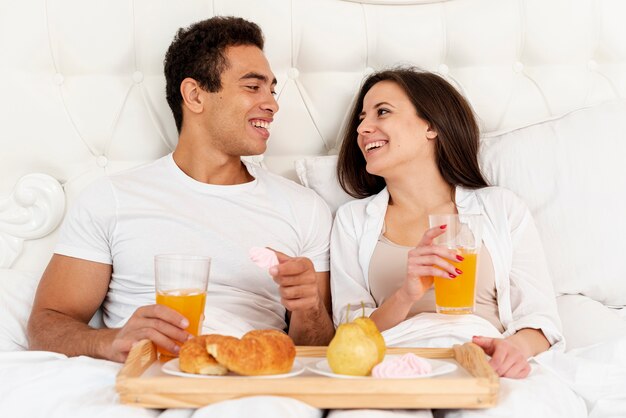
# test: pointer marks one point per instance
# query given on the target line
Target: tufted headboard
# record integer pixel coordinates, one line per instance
(82, 89)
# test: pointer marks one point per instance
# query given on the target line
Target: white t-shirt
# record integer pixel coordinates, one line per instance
(126, 219)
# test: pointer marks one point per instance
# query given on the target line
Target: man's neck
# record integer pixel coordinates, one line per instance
(210, 167)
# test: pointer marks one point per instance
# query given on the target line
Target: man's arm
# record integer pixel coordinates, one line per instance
(314, 326)
(306, 295)
(70, 292)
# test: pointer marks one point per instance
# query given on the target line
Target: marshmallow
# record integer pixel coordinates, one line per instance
(263, 257)
(409, 365)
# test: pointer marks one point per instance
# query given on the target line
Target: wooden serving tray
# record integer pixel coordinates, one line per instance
(473, 385)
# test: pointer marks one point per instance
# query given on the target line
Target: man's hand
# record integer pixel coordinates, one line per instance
(297, 283)
(305, 294)
(506, 359)
(160, 324)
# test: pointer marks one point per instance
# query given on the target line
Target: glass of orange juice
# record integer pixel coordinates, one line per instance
(181, 283)
(457, 296)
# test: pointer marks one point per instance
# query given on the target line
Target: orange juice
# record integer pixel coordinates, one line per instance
(456, 296)
(187, 302)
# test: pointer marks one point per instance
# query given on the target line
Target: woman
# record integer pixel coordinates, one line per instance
(410, 150)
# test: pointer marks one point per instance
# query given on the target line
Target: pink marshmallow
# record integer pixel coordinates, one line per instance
(263, 257)
(409, 365)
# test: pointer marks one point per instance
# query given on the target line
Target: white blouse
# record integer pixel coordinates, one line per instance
(524, 289)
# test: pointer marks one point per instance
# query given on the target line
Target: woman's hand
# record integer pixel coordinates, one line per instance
(425, 262)
(506, 358)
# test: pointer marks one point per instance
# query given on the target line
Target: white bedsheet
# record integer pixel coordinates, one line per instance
(596, 373)
(42, 384)
(49, 385)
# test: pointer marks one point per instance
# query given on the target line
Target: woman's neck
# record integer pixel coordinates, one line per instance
(422, 191)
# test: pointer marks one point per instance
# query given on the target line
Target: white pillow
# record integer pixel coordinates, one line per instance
(320, 174)
(571, 173)
(17, 292)
(587, 322)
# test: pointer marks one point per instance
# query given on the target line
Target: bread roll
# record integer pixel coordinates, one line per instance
(193, 357)
(259, 352)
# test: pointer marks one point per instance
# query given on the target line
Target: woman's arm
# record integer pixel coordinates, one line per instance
(529, 341)
(534, 325)
(509, 356)
(424, 261)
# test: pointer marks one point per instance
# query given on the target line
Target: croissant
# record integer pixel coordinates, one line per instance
(259, 352)
(193, 357)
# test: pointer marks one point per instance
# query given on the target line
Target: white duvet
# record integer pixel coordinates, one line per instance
(589, 381)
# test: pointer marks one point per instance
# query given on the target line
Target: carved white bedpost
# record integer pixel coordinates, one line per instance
(33, 210)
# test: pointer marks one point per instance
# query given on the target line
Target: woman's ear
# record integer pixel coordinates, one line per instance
(191, 92)
(431, 133)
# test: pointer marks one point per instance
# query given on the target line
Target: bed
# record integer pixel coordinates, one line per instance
(82, 96)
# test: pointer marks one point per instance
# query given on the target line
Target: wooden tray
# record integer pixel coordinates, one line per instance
(141, 383)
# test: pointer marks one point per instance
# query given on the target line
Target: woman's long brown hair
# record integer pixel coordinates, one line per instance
(439, 104)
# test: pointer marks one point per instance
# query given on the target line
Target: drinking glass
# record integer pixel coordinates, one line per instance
(181, 283)
(463, 233)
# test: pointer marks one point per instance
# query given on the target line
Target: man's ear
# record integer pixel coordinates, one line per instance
(192, 95)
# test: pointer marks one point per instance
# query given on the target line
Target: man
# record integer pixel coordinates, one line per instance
(202, 199)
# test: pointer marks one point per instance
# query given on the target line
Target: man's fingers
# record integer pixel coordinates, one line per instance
(161, 340)
(282, 257)
(163, 313)
(294, 267)
(299, 304)
(169, 330)
(297, 292)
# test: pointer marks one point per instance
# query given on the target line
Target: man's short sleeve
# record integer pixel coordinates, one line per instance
(317, 245)
(88, 226)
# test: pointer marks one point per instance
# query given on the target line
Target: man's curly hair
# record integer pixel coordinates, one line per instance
(198, 52)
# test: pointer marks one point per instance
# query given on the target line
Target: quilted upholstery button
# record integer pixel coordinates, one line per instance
(443, 69)
(137, 77)
(293, 73)
(518, 67)
(102, 161)
(58, 79)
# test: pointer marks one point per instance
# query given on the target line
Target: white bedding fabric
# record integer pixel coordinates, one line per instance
(41, 384)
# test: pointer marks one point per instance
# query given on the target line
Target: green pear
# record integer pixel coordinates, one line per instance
(351, 351)
(371, 330)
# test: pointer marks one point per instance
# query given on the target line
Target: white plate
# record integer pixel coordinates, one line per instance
(439, 367)
(171, 367)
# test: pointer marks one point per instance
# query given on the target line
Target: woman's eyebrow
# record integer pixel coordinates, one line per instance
(376, 106)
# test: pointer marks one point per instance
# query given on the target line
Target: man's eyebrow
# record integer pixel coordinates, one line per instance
(258, 76)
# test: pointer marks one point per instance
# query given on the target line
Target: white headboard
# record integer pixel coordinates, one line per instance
(82, 86)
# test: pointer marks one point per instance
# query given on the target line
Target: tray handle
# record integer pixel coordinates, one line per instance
(141, 356)
(472, 358)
